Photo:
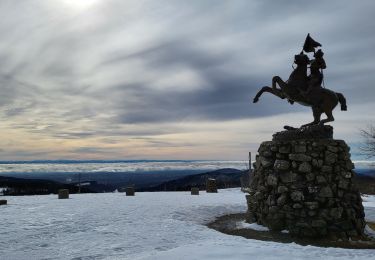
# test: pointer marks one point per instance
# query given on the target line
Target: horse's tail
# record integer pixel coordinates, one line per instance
(342, 101)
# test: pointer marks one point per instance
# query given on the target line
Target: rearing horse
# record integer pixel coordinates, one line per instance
(321, 101)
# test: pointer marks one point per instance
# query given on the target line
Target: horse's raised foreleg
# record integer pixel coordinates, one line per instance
(276, 92)
(277, 80)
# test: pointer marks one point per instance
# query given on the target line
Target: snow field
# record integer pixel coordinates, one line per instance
(161, 225)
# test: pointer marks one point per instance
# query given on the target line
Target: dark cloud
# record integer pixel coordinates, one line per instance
(129, 69)
(227, 94)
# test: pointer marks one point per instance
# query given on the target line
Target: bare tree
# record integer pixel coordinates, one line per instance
(368, 146)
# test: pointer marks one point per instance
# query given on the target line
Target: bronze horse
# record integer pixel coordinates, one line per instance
(321, 100)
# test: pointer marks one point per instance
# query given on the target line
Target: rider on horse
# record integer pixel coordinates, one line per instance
(315, 79)
(306, 89)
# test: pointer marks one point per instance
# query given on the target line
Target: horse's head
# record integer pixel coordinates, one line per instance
(301, 59)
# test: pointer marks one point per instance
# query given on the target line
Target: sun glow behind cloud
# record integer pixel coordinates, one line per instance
(80, 4)
(114, 79)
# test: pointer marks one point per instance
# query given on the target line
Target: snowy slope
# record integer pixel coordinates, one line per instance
(163, 225)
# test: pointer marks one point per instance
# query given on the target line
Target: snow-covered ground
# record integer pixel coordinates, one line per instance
(163, 225)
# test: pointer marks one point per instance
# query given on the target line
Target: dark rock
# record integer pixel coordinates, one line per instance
(326, 169)
(195, 191)
(297, 196)
(310, 132)
(299, 157)
(63, 194)
(320, 223)
(320, 179)
(300, 148)
(326, 192)
(130, 191)
(281, 165)
(284, 149)
(297, 206)
(312, 205)
(310, 176)
(265, 162)
(282, 189)
(288, 177)
(272, 180)
(282, 200)
(330, 158)
(313, 189)
(211, 186)
(317, 163)
(336, 212)
(343, 184)
(332, 149)
(304, 167)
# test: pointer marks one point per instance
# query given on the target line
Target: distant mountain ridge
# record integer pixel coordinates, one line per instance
(225, 178)
(158, 181)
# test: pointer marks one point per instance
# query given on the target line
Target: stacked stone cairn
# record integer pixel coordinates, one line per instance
(305, 186)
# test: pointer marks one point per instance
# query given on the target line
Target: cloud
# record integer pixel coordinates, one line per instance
(115, 71)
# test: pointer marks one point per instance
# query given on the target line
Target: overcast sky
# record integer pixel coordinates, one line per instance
(116, 79)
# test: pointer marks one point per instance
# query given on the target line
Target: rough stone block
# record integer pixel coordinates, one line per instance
(327, 169)
(320, 179)
(304, 167)
(288, 177)
(282, 200)
(272, 180)
(300, 148)
(312, 205)
(195, 191)
(281, 165)
(265, 162)
(282, 189)
(330, 158)
(211, 186)
(326, 192)
(297, 196)
(333, 149)
(320, 223)
(299, 157)
(130, 191)
(63, 194)
(284, 149)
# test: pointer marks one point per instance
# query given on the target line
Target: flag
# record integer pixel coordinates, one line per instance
(310, 44)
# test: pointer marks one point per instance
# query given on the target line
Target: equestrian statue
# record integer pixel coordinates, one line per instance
(306, 89)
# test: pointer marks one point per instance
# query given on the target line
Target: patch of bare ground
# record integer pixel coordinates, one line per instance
(229, 224)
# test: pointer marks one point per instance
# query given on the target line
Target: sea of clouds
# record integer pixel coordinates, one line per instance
(121, 166)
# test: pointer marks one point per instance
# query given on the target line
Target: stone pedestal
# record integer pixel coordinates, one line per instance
(211, 186)
(305, 186)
